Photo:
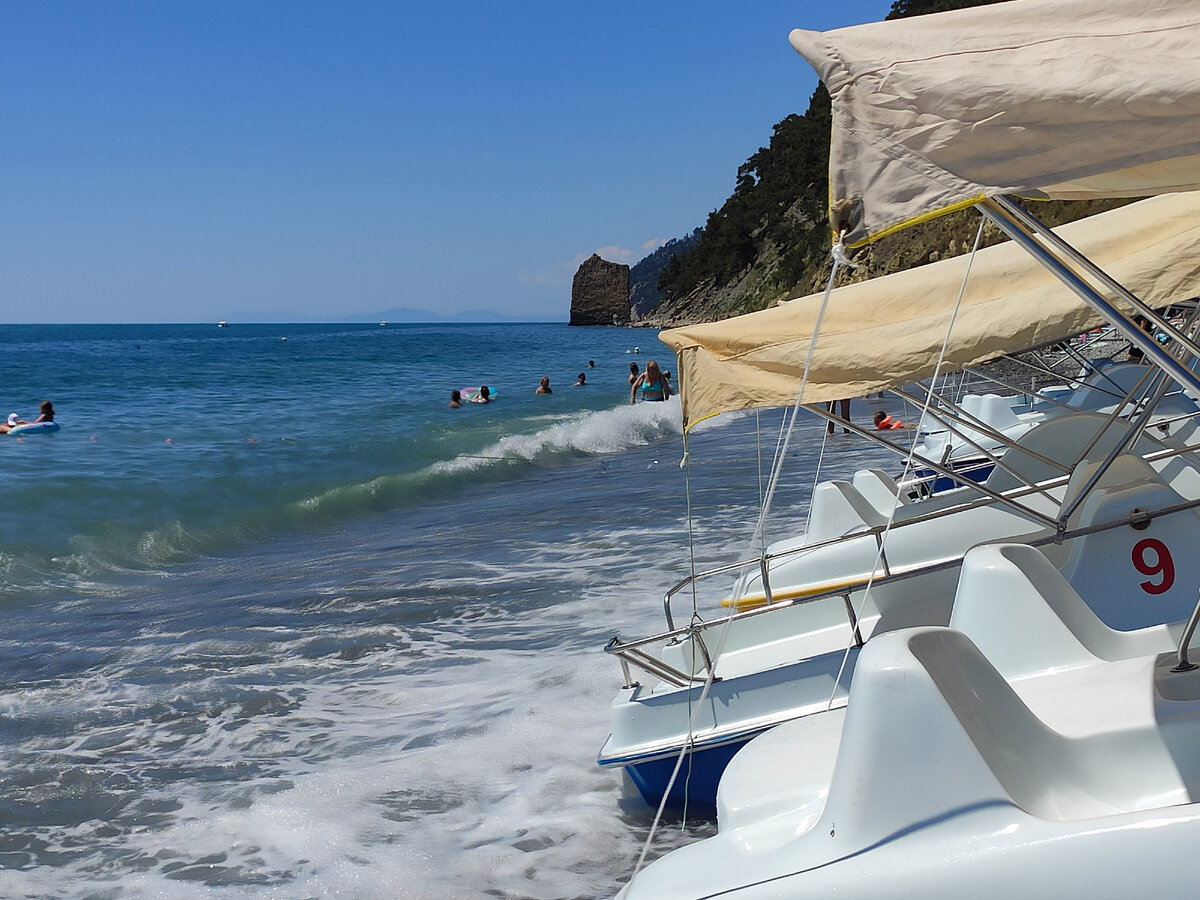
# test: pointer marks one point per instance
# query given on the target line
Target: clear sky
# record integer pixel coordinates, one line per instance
(275, 160)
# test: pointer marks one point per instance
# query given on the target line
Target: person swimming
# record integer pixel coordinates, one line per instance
(884, 422)
(484, 395)
(544, 386)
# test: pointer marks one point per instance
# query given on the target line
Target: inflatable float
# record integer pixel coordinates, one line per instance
(34, 428)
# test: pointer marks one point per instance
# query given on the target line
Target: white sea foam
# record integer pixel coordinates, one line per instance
(607, 431)
(377, 782)
(401, 697)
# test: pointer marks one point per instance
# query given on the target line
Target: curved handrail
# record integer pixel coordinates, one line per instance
(630, 652)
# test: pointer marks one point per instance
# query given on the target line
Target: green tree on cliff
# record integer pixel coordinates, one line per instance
(777, 208)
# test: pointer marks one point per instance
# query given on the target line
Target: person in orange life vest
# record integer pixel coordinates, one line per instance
(884, 422)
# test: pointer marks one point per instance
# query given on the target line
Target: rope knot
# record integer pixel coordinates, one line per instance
(838, 251)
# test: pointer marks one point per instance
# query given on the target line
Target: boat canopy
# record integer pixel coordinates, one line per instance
(1058, 99)
(889, 331)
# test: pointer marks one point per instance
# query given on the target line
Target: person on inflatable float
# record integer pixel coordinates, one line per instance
(47, 415)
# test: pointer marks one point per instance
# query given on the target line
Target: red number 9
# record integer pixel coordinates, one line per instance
(1162, 565)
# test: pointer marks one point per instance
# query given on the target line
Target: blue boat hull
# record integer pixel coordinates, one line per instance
(696, 785)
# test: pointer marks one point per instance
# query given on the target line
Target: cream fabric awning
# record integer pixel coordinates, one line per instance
(1064, 99)
(889, 331)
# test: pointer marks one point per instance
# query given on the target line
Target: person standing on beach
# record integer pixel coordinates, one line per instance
(652, 384)
(845, 404)
(1136, 354)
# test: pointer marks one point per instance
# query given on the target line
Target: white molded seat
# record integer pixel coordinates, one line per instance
(1060, 438)
(929, 688)
(879, 489)
(997, 412)
(1103, 389)
(1026, 618)
(838, 509)
(1133, 577)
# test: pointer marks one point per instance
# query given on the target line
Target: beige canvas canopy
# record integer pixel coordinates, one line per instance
(889, 331)
(1038, 98)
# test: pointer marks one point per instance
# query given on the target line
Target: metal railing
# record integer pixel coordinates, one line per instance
(1010, 497)
(630, 653)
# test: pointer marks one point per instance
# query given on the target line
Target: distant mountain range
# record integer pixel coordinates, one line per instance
(399, 316)
(410, 316)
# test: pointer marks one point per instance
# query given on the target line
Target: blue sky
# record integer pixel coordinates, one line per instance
(200, 160)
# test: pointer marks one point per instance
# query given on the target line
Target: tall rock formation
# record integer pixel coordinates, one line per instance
(600, 293)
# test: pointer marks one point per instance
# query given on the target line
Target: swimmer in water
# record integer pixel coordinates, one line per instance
(884, 422)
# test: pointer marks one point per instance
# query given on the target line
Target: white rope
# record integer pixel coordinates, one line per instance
(781, 454)
(839, 259)
(937, 370)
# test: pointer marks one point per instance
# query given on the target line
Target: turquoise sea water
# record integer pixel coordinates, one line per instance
(280, 623)
(180, 441)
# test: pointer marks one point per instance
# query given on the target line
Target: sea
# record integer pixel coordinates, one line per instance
(281, 623)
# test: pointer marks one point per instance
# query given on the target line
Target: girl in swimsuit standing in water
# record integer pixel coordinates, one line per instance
(652, 384)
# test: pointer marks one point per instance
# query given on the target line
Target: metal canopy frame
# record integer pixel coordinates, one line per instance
(1080, 275)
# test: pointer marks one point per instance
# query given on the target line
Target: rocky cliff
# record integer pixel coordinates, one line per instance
(600, 293)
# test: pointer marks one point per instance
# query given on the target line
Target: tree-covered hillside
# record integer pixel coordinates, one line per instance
(643, 278)
(770, 238)
(779, 203)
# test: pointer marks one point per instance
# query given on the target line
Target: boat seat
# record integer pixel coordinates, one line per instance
(1184, 434)
(1133, 577)
(1181, 474)
(838, 509)
(1060, 438)
(1026, 618)
(1104, 389)
(879, 489)
(996, 412)
(800, 756)
(932, 688)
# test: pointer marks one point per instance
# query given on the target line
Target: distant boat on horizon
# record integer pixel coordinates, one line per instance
(222, 324)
